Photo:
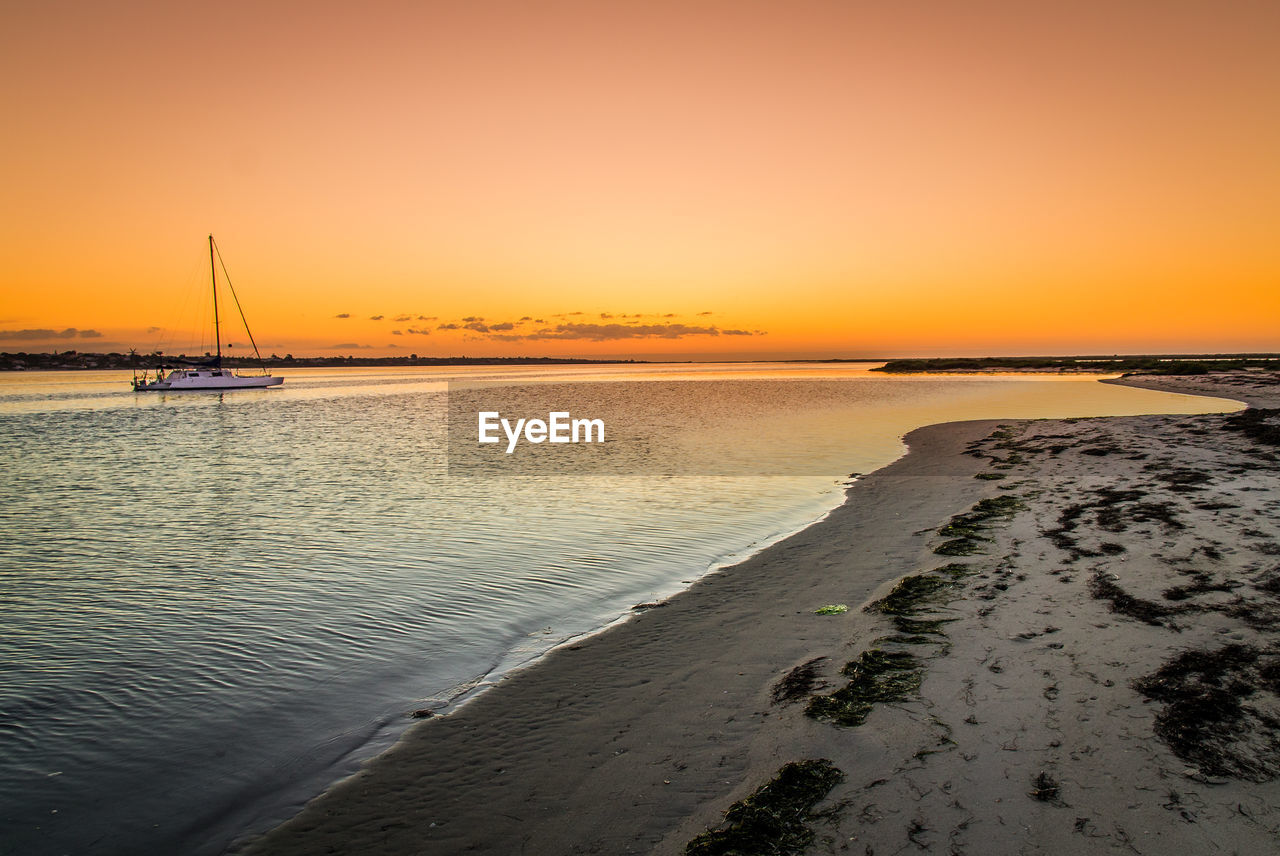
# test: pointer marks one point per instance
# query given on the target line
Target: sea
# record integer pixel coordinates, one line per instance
(215, 605)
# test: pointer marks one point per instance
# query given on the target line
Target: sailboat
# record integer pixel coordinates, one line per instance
(206, 373)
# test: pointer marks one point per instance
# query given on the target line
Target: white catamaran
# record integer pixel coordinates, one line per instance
(208, 373)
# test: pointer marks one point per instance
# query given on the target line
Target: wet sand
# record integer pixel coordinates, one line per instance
(1061, 637)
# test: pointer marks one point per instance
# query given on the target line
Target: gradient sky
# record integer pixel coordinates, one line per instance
(734, 179)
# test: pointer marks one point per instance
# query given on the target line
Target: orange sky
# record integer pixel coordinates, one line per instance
(824, 178)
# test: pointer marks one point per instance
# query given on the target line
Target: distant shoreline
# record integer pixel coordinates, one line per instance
(73, 361)
(1160, 364)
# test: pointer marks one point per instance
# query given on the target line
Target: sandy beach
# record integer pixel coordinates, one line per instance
(1060, 637)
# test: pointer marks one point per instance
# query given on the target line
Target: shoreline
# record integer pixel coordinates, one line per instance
(527, 723)
(637, 738)
(386, 733)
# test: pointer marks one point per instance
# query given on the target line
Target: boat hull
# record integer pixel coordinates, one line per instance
(205, 380)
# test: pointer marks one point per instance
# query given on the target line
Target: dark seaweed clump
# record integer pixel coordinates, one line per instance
(958, 547)
(1113, 511)
(956, 570)
(910, 594)
(1270, 582)
(1045, 788)
(1184, 480)
(1208, 720)
(797, 683)
(876, 676)
(1260, 425)
(776, 818)
(1115, 516)
(1103, 587)
(966, 531)
(1001, 438)
(913, 594)
(1203, 584)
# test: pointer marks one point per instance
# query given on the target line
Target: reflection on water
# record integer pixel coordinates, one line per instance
(211, 604)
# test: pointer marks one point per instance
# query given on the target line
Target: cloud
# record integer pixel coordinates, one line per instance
(426, 317)
(151, 330)
(34, 335)
(419, 331)
(612, 332)
(396, 333)
(26, 335)
(349, 346)
(343, 315)
(376, 317)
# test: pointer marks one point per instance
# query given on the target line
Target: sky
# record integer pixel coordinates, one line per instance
(695, 179)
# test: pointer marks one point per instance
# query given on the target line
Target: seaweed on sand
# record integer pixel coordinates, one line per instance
(958, 547)
(1202, 584)
(1260, 425)
(1217, 715)
(1045, 788)
(876, 676)
(1103, 587)
(1113, 511)
(1184, 480)
(910, 594)
(909, 597)
(996, 507)
(797, 683)
(776, 818)
(908, 639)
(1115, 518)
(956, 570)
(889, 676)
(920, 626)
(966, 531)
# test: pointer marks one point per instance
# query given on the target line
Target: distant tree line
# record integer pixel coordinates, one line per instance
(1160, 365)
(78, 360)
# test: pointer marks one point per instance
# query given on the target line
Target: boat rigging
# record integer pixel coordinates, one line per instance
(178, 373)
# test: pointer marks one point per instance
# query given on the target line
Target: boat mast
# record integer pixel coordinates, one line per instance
(213, 278)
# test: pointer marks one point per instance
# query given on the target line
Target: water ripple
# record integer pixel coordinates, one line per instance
(209, 600)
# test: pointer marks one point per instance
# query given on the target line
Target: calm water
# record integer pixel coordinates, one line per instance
(213, 605)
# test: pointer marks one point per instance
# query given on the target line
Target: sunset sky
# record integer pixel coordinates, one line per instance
(646, 179)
